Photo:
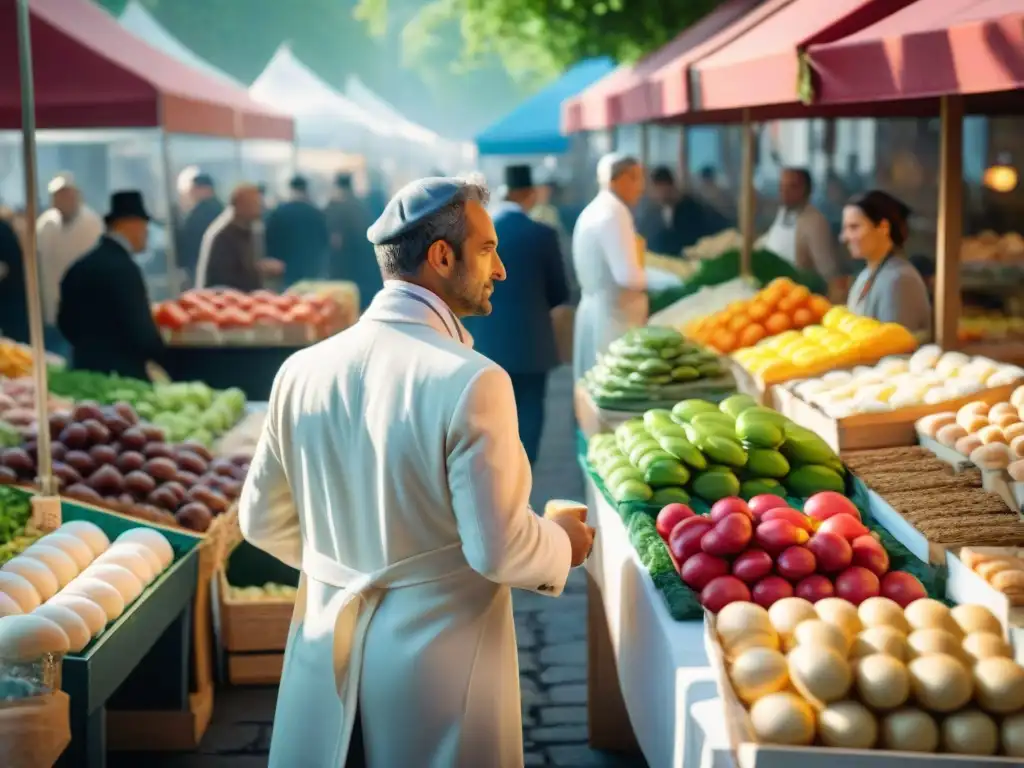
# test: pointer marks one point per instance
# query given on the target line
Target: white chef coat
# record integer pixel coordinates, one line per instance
(391, 472)
(613, 284)
(59, 246)
(804, 238)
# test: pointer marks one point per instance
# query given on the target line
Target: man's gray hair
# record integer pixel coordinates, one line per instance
(613, 165)
(403, 256)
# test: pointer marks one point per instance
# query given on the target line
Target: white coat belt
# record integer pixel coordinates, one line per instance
(354, 605)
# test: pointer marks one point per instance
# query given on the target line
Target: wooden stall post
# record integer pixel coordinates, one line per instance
(950, 225)
(174, 285)
(747, 196)
(683, 166)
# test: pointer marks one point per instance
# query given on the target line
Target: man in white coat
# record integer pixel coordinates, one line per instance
(390, 471)
(609, 268)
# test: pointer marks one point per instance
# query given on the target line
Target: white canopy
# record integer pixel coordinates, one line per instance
(360, 94)
(141, 23)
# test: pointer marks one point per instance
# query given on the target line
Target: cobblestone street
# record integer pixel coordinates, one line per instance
(552, 652)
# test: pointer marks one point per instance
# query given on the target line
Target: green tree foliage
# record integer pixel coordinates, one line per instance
(537, 39)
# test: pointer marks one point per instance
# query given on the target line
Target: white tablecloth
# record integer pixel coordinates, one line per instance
(663, 669)
(708, 742)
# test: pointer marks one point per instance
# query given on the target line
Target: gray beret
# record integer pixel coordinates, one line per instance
(413, 203)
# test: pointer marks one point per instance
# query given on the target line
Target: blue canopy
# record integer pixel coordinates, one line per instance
(534, 127)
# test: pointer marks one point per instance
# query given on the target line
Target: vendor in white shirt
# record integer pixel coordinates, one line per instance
(608, 260)
(800, 233)
(65, 232)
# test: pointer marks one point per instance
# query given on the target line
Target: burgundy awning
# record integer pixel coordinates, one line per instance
(588, 111)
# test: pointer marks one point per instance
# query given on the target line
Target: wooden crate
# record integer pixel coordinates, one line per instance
(892, 429)
(749, 384)
(591, 419)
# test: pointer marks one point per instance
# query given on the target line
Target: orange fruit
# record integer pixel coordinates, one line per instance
(739, 322)
(758, 310)
(795, 298)
(752, 334)
(778, 323)
(818, 305)
(802, 317)
(724, 341)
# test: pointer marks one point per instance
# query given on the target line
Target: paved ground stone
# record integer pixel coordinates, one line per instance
(564, 653)
(568, 694)
(560, 734)
(576, 673)
(563, 715)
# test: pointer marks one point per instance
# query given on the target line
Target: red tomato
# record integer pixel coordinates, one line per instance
(170, 315)
(192, 298)
(202, 312)
(267, 314)
(300, 313)
(233, 317)
(262, 295)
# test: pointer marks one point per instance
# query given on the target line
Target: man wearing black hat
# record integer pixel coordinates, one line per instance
(200, 208)
(296, 235)
(519, 334)
(104, 308)
(351, 256)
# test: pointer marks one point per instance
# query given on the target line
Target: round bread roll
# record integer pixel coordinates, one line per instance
(95, 618)
(1012, 735)
(882, 681)
(975, 618)
(100, 592)
(840, 613)
(922, 642)
(783, 718)
(37, 574)
(882, 612)
(999, 685)
(152, 539)
(847, 725)
(739, 619)
(138, 564)
(909, 730)
(970, 733)
(820, 674)
(818, 633)
(8, 606)
(982, 645)
(69, 621)
(757, 673)
(28, 637)
(57, 560)
(88, 532)
(147, 553)
(786, 614)
(70, 545)
(940, 682)
(880, 639)
(926, 613)
(117, 576)
(20, 590)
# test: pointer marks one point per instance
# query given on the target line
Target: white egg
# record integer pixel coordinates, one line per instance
(152, 539)
(28, 637)
(70, 545)
(117, 576)
(36, 573)
(69, 621)
(840, 410)
(20, 590)
(951, 362)
(1003, 379)
(57, 560)
(119, 554)
(95, 618)
(837, 376)
(141, 549)
(812, 387)
(892, 366)
(88, 532)
(936, 395)
(100, 592)
(924, 358)
(9, 606)
(904, 399)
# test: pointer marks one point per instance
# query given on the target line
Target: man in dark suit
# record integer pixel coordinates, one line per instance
(351, 255)
(104, 310)
(201, 208)
(13, 296)
(670, 220)
(518, 334)
(296, 235)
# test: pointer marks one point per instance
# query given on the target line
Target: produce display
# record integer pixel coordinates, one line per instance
(842, 340)
(1003, 572)
(15, 512)
(914, 678)
(766, 550)
(653, 365)
(991, 247)
(18, 405)
(706, 300)
(945, 507)
(189, 411)
(105, 456)
(711, 246)
(15, 359)
(781, 306)
(712, 451)
(928, 377)
(991, 436)
(269, 591)
(62, 591)
(230, 310)
(990, 326)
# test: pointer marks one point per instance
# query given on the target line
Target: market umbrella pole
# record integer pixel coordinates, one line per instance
(43, 509)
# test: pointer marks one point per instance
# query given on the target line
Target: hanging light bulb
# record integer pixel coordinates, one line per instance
(1001, 177)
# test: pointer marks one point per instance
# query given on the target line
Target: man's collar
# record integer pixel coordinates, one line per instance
(402, 301)
(120, 240)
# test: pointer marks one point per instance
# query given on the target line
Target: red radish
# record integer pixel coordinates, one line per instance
(752, 565)
(775, 535)
(728, 506)
(786, 513)
(832, 551)
(822, 506)
(719, 592)
(902, 588)
(814, 588)
(765, 501)
(869, 553)
(857, 584)
(685, 537)
(729, 536)
(670, 515)
(795, 563)
(845, 525)
(771, 589)
(702, 568)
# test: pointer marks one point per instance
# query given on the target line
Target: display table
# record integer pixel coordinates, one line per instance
(708, 745)
(250, 368)
(638, 655)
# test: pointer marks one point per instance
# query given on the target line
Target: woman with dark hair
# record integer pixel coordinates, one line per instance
(890, 288)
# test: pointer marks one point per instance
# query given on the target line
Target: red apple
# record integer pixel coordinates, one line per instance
(775, 535)
(684, 540)
(701, 568)
(728, 506)
(771, 589)
(723, 590)
(869, 553)
(765, 501)
(902, 588)
(670, 515)
(729, 536)
(814, 588)
(752, 565)
(798, 519)
(832, 551)
(857, 584)
(822, 506)
(847, 526)
(795, 563)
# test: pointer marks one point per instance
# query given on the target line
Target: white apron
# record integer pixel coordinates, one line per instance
(781, 237)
